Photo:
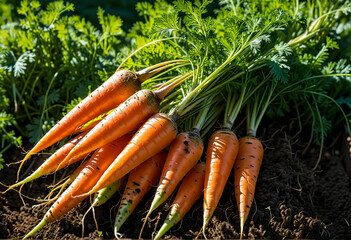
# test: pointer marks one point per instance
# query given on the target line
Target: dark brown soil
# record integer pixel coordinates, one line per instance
(291, 201)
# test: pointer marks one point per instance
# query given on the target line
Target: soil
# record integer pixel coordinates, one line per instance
(291, 201)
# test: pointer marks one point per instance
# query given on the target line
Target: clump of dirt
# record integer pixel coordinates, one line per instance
(296, 226)
(256, 233)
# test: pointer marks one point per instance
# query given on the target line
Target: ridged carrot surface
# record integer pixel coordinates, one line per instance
(128, 116)
(189, 192)
(221, 154)
(184, 152)
(246, 170)
(141, 179)
(153, 136)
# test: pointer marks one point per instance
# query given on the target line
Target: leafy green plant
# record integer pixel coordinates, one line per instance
(47, 58)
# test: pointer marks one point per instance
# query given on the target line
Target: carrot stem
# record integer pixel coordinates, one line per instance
(139, 49)
(147, 73)
(162, 92)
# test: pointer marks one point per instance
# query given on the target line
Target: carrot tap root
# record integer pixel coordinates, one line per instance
(42, 223)
(221, 155)
(242, 223)
(141, 179)
(122, 216)
(158, 199)
(189, 192)
(170, 221)
(246, 170)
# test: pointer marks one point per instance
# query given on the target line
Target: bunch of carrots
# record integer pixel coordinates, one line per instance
(124, 132)
(126, 135)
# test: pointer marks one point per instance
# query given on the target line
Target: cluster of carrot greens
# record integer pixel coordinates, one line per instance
(173, 124)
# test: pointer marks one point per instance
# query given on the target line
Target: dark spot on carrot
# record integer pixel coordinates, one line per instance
(137, 190)
(242, 158)
(186, 150)
(195, 180)
(130, 201)
(237, 168)
(123, 204)
(247, 206)
(251, 165)
(135, 183)
(156, 164)
(248, 142)
(252, 156)
(186, 143)
(97, 168)
(185, 195)
(124, 198)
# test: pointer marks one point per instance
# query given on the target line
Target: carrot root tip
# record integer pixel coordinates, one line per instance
(169, 222)
(242, 223)
(122, 217)
(36, 228)
(118, 235)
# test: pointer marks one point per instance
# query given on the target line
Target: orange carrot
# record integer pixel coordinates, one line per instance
(221, 153)
(67, 181)
(54, 162)
(141, 179)
(128, 116)
(185, 151)
(246, 169)
(86, 179)
(188, 193)
(153, 136)
(119, 87)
